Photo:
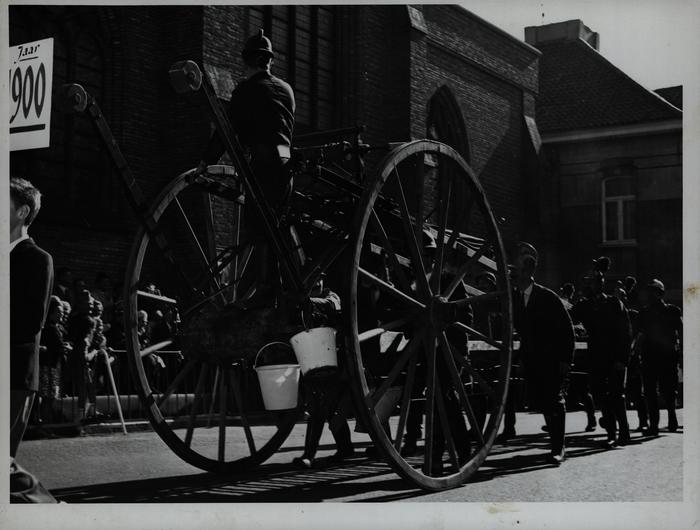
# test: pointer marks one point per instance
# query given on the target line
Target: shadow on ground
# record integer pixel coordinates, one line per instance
(285, 483)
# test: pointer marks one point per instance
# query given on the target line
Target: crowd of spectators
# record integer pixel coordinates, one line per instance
(84, 333)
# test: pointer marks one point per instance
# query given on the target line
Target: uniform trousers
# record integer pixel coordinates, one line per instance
(547, 390)
(24, 487)
(609, 390)
(660, 371)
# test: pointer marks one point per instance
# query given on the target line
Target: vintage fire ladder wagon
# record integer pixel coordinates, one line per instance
(370, 229)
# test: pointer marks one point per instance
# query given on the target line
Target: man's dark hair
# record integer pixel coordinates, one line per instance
(24, 193)
(257, 59)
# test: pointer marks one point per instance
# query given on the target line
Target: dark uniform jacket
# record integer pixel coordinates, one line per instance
(609, 332)
(31, 283)
(546, 333)
(662, 326)
(261, 111)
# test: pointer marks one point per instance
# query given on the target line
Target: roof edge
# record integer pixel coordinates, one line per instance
(597, 133)
(498, 30)
(649, 91)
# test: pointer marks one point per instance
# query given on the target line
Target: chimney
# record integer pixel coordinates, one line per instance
(561, 31)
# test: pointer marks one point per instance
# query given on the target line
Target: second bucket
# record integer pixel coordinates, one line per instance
(315, 348)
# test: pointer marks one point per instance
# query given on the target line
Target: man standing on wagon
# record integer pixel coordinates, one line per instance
(261, 111)
(546, 346)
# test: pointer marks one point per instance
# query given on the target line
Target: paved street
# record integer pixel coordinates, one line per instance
(140, 468)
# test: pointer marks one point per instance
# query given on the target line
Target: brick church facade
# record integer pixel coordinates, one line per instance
(398, 70)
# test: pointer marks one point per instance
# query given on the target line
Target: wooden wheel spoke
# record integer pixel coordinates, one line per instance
(213, 396)
(446, 431)
(390, 254)
(460, 228)
(389, 289)
(457, 382)
(411, 241)
(212, 276)
(405, 402)
(222, 416)
(474, 373)
(243, 267)
(478, 378)
(238, 399)
(231, 255)
(165, 250)
(408, 351)
(389, 326)
(500, 346)
(211, 296)
(440, 253)
(195, 403)
(176, 382)
(483, 297)
(429, 405)
(473, 258)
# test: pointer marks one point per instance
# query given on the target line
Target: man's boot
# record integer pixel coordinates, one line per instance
(672, 420)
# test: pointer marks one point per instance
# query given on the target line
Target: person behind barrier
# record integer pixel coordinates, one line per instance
(261, 110)
(660, 339)
(81, 331)
(325, 388)
(31, 279)
(53, 351)
(546, 346)
(63, 285)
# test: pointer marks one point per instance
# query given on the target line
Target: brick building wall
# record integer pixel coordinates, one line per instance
(579, 170)
(391, 60)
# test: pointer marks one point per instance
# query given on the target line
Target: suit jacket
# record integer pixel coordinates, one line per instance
(608, 327)
(31, 283)
(545, 329)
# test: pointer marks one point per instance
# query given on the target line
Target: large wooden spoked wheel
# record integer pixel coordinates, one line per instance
(196, 377)
(427, 275)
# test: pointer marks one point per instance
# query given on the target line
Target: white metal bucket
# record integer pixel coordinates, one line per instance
(315, 348)
(279, 384)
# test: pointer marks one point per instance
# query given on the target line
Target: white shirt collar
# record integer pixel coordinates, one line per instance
(526, 294)
(18, 241)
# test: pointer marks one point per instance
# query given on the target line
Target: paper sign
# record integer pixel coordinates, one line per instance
(31, 70)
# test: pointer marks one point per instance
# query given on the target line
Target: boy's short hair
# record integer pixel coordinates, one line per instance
(24, 193)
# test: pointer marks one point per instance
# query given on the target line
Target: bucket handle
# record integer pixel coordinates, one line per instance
(255, 362)
(303, 321)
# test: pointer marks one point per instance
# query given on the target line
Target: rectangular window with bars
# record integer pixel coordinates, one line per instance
(619, 206)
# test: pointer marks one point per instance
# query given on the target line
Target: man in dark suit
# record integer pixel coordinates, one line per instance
(31, 279)
(660, 339)
(546, 346)
(609, 340)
